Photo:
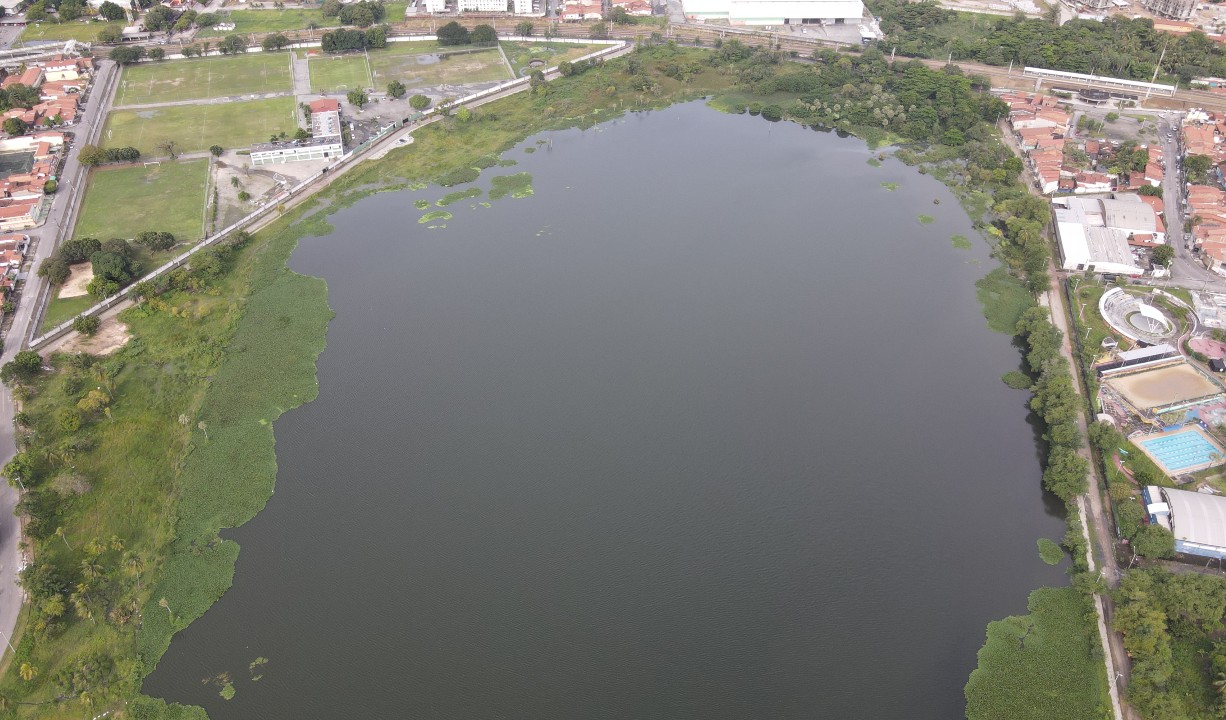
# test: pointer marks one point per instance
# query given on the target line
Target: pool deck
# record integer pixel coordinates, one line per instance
(1221, 453)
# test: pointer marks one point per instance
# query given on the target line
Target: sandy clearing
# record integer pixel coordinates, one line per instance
(112, 335)
(80, 276)
(1163, 386)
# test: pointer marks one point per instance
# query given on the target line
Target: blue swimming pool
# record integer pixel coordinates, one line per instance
(1182, 450)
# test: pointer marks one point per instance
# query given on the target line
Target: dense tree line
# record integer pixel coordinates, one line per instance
(339, 41)
(92, 155)
(1172, 626)
(1117, 46)
(453, 33)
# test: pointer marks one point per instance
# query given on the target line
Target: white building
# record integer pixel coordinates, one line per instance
(523, 7)
(324, 148)
(1094, 233)
(483, 6)
(777, 12)
(325, 142)
(1197, 520)
(434, 6)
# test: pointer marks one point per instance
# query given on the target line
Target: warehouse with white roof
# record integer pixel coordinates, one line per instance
(1197, 520)
(777, 12)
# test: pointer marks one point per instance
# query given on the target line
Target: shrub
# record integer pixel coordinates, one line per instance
(86, 324)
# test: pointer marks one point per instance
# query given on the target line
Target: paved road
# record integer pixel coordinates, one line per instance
(1119, 667)
(11, 596)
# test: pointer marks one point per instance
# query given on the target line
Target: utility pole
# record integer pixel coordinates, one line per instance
(1157, 67)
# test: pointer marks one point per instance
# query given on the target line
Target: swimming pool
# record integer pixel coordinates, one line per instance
(1182, 450)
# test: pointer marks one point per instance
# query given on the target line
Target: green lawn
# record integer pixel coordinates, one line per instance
(415, 68)
(249, 21)
(121, 202)
(204, 78)
(59, 310)
(521, 54)
(341, 72)
(196, 127)
(75, 30)
(288, 20)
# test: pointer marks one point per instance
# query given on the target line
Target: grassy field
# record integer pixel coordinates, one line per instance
(196, 127)
(60, 309)
(342, 72)
(203, 78)
(291, 19)
(1056, 673)
(162, 489)
(521, 54)
(121, 202)
(75, 30)
(249, 21)
(415, 69)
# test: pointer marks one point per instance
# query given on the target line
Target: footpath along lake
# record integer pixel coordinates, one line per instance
(711, 426)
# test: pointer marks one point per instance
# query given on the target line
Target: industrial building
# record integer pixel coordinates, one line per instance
(777, 12)
(1197, 520)
(1105, 234)
(1176, 9)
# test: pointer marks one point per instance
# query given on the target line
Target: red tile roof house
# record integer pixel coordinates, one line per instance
(325, 105)
(19, 215)
(32, 77)
(1092, 182)
(1153, 173)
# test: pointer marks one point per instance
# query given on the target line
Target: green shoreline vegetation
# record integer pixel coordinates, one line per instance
(139, 459)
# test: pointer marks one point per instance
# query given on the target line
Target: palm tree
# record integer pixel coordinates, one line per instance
(134, 565)
(91, 568)
(59, 532)
(104, 378)
(117, 543)
(80, 603)
(28, 672)
(1219, 683)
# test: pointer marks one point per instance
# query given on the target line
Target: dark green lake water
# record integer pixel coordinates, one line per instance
(709, 427)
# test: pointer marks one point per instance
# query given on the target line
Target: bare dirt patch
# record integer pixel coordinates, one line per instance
(1163, 386)
(80, 276)
(112, 335)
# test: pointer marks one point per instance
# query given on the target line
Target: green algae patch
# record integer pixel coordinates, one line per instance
(459, 196)
(1046, 665)
(518, 185)
(960, 242)
(926, 219)
(421, 204)
(891, 186)
(434, 215)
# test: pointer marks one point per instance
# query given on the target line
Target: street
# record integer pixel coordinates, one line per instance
(48, 236)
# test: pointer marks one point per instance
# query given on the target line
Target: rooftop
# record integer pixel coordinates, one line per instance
(1197, 517)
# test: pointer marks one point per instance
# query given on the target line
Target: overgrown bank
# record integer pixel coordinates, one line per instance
(131, 479)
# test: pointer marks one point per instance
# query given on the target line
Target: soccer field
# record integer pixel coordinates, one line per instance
(175, 80)
(343, 72)
(408, 64)
(122, 202)
(197, 127)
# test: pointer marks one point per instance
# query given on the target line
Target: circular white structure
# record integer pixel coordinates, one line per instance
(1136, 319)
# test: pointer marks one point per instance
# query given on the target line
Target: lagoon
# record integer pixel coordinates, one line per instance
(708, 426)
